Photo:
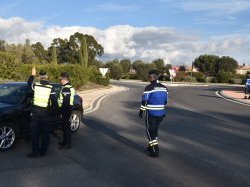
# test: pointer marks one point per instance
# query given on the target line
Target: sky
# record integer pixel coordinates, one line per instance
(177, 31)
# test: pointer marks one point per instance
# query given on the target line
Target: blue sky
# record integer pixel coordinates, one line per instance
(175, 30)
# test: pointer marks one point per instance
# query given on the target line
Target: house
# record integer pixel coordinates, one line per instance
(189, 68)
(243, 69)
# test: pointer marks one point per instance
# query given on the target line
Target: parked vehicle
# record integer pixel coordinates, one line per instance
(15, 111)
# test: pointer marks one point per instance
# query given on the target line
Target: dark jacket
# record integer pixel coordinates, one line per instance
(52, 107)
(66, 94)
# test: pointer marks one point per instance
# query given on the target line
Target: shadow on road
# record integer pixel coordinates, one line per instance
(104, 128)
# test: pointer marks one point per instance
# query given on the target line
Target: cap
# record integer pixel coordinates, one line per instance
(42, 73)
(153, 72)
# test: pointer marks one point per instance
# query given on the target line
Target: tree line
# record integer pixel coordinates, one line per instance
(82, 49)
(78, 49)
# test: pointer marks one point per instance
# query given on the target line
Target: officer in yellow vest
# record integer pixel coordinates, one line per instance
(44, 99)
(65, 102)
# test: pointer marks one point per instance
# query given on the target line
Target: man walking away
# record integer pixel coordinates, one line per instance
(153, 106)
(66, 100)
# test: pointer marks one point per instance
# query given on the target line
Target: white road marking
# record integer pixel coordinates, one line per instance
(99, 100)
(186, 108)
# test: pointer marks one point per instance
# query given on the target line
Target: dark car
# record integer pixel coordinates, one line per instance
(15, 110)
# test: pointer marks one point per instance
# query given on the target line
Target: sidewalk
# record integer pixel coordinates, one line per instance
(236, 94)
(89, 96)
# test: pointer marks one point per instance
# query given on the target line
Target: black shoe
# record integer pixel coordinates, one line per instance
(152, 154)
(32, 155)
(67, 147)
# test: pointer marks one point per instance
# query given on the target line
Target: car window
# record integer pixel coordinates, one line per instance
(12, 94)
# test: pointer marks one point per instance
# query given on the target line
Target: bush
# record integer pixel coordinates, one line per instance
(96, 77)
(200, 77)
(116, 71)
(214, 80)
(235, 81)
(223, 77)
(8, 66)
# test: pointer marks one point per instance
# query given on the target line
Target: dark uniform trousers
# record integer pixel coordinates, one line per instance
(40, 125)
(152, 125)
(66, 127)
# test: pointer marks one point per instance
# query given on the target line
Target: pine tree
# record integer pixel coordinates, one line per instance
(84, 53)
(54, 56)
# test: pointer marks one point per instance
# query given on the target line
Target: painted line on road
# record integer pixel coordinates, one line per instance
(186, 108)
(99, 100)
(232, 100)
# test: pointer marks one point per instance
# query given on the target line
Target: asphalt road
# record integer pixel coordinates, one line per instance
(204, 141)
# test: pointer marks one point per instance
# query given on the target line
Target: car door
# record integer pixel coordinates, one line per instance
(56, 119)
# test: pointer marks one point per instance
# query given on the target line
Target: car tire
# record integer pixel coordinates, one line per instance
(75, 121)
(8, 135)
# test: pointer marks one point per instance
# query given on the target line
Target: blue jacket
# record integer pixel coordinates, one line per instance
(154, 99)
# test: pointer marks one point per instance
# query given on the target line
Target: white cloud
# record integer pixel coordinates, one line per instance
(124, 41)
(113, 7)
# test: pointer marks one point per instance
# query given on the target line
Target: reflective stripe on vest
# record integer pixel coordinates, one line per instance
(42, 94)
(72, 94)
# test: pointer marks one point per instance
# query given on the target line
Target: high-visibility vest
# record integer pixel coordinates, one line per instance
(72, 93)
(42, 94)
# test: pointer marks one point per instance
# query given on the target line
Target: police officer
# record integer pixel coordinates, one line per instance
(153, 106)
(44, 98)
(65, 101)
(247, 89)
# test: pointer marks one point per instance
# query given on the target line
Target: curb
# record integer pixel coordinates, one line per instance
(93, 107)
(220, 93)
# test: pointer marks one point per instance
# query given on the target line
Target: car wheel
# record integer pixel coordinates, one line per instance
(75, 121)
(7, 136)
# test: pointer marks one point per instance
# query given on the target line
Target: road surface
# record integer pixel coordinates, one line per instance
(204, 141)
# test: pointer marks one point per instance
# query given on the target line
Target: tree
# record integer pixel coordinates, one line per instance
(182, 68)
(159, 63)
(97, 63)
(206, 64)
(142, 71)
(136, 64)
(227, 64)
(84, 52)
(168, 66)
(111, 63)
(2, 45)
(126, 64)
(23, 53)
(93, 47)
(40, 52)
(116, 71)
(54, 56)
(65, 52)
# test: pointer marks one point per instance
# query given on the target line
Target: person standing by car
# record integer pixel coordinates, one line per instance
(153, 106)
(65, 102)
(43, 101)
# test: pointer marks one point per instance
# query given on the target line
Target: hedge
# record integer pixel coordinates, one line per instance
(79, 75)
